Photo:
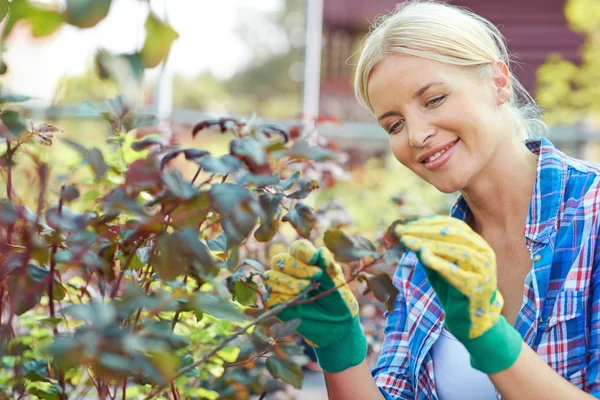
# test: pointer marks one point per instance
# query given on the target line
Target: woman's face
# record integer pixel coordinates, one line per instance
(444, 122)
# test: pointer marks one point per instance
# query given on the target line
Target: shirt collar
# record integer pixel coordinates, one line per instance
(548, 190)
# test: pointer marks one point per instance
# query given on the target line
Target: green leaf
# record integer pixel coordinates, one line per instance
(259, 180)
(270, 204)
(220, 243)
(302, 218)
(70, 193)
(187, 361)
(195, 154)
(252, 153)
(134, 121)
(164, 365)
(286, 329)
(15, 123)
(25, 287)
(195, 250)
(44, 22)
(86, 13)
(191, 212)
(159, 37)
(8, 213)
(287, 183)
(59, 291)
(254, 264)
(93, 157)
(285, 370)
(168, 261)
(143, 174)
(66, 220)
(245, 293)
(219, 307)
(96, 160)
(234, 203)
(50, 393)
(3, 9)
(229, 353)
(10, 98)
(36, 371)
(303, 151)
(226, 164)
(348, 248)
(382, 288)
(181, 188)
(147, 143)
(305, 190)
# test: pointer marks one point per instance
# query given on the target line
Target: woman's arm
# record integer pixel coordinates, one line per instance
(353, 383)
(531, 378)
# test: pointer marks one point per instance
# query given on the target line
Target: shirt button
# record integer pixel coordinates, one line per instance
(537, 257)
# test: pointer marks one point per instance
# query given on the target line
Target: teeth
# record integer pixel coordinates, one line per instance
(436, 155)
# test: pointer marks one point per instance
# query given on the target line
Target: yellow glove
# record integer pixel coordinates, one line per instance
(461, 267)
(330, 323)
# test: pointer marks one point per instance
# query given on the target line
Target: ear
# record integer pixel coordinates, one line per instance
(501, 77)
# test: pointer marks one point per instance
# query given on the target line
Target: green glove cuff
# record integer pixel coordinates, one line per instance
(495, 350)
(348, 352)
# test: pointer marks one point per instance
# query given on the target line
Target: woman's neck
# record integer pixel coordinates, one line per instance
(500, 195)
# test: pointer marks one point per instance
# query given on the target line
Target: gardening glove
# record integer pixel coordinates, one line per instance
(461, 267)
(330, 324)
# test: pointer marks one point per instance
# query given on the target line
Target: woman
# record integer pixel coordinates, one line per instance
(515, 315)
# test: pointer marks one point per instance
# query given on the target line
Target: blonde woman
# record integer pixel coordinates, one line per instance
(499, 300)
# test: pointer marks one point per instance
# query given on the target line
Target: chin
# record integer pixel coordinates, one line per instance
(448, 186)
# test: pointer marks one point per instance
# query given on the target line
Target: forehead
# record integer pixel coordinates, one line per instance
(401, 75)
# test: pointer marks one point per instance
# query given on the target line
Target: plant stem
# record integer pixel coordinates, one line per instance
(333, 289)
(254, 357)
(176, 317)
(115, 289)
(196, 175)
(61, 377)
(174, 391)
(125, 388)
(9, 231)
(269, 314)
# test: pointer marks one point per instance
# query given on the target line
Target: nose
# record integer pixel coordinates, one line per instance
(420, 133)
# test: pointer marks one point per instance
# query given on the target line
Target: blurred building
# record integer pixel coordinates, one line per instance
(534, 29)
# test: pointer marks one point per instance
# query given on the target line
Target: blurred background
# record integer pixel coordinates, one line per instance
(284, 60)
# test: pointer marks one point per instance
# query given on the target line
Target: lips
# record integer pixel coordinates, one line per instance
(438, 156)
(435, 152)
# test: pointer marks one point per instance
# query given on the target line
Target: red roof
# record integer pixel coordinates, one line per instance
(534, 29)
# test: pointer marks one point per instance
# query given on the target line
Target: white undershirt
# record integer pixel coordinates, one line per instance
(455, 378)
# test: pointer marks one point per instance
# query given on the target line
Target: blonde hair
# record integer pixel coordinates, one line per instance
(449, 34)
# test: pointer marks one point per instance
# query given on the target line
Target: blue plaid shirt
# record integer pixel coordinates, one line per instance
(560, 313)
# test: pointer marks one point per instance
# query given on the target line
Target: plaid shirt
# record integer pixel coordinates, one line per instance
(560, 313)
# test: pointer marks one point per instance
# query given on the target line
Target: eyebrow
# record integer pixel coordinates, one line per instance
(417, 94)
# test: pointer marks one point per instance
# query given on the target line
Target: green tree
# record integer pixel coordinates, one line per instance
(567, 91)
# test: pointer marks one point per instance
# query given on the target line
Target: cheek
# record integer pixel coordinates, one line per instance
(400, 149)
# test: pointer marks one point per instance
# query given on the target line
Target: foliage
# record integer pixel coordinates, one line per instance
(120, 276)
(568, 91)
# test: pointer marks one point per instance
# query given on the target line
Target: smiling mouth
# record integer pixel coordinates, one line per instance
(438, 154)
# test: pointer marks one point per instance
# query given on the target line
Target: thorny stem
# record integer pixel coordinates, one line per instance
(196, 175)
(61, 377)
(333, 289)
(248, 360)
(176, 317)
(124, 267)
(9, 187)
(269, 314)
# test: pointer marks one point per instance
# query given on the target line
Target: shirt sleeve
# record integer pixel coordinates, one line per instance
(392, 372)
(593, 366)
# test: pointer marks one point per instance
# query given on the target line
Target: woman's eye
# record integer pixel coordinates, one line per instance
(395, 127)
(435, 102)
